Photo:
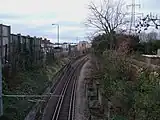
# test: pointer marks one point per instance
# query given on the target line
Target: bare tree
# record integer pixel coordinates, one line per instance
(148, 36)
(152, 35)
(146, 22)
(143, 37)
(107, 17)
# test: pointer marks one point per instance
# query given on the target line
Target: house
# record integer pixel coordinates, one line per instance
(82, 46)
(65, 46)
(57, 47)
(47, 46)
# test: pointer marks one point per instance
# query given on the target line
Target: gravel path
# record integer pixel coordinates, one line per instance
(81, 109)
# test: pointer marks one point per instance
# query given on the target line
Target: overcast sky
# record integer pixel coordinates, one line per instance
(34, 17)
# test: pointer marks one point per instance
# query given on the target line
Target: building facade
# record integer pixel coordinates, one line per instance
(83, 46)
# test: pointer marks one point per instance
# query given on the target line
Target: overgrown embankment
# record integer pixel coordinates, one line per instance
(33, 82)
(134, 94)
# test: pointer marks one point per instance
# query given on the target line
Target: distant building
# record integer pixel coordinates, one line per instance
(47, 46)
(65, 46)
(83, 46)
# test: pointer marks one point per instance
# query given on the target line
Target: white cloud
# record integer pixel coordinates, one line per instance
(64, 9)
(34, 15)
(22, 7)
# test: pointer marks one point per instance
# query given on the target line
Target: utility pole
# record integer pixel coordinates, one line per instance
(77, 40)
(133, 14)
(57, 32)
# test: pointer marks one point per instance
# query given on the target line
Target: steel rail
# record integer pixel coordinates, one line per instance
(71, 99)
(54, 90)
(55, 105)
(60, 100)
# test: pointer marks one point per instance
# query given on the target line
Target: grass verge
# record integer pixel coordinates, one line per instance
(33, 82)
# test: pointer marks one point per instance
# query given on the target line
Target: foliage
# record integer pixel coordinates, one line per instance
(138, 95)
(100, 43)
(116, 75)
(152, 44)
(146, 22)
(147, 96)
(33, 82)
(107, 17)
(119, 118)
(149, 47)
(121, 41)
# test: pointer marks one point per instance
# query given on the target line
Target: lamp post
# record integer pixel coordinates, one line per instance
(57, 32)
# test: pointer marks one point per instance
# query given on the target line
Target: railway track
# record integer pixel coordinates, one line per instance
(62, 107)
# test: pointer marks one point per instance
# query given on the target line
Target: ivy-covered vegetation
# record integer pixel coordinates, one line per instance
(30, 82)
(149, 47)
(133, 93)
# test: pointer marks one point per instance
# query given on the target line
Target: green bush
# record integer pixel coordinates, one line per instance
(147, 96)
(34, 82)
(139, 99)
(115, 79)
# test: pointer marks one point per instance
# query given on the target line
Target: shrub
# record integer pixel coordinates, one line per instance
(138, 99)
(147, 96)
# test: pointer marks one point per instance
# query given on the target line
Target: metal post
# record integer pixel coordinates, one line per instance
(58, 34)
(1, 101)
(1, 43)
(133, 14)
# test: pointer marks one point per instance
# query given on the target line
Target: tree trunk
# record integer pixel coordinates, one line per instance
(111, 41)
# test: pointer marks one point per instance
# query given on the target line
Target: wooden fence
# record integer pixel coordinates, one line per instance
(20, 52)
